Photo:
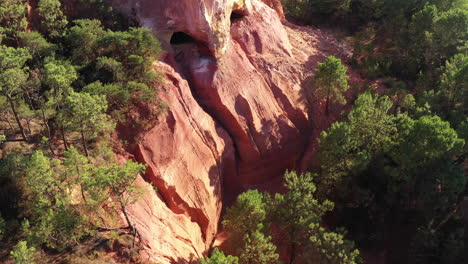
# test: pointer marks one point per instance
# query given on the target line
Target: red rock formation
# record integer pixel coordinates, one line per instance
(186, 154)
(206, 20)
(239, 90)
(236, 117)
(277, 6)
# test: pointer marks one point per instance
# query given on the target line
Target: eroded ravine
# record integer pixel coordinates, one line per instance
(235, 116)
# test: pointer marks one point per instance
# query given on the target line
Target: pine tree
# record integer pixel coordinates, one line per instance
(53, 220)
(246, 215)
(117, 182)
(12, 18)
(53, 19)
(348, 147)
(258, 249)
(454, 85)
(218, 257)
(58, 77)
(23, 254)
(330, 82)
(85, 113)
(331, 247)
(13, 76)
(245, 222)
(37, 45)
(296, 210)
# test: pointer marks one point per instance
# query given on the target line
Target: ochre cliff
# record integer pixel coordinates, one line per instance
(236, 117)
(186, 154)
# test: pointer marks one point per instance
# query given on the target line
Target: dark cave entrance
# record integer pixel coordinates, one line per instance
(180, 38)
(186, 48)
(237, 15)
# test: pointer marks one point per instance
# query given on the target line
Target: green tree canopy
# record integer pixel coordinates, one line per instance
(296, 210)
(330, 82)
(218, 257)
(54, 222)
(117, 95)
(450, 31)
(422, 159)
(13, 75)
(331, 247)
(117, 182)
(425, 140)
(454, 87)
(37, 45)
(62, 199)
(245, 222)
(86, 114)
(306, 10)
(135, 49)
(70, 76)
(381, 161)
(83, 38)
(258, 249)
(23, 254)
(53, 19)
(348, 146)
(248, 214)
(59, 76)
(12, 17)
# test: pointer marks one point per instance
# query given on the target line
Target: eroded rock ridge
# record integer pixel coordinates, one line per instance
(236, 119)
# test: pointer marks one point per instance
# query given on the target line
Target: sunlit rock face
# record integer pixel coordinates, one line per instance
(235, 120)
(277, 6)
(187, 155)
(206, 21)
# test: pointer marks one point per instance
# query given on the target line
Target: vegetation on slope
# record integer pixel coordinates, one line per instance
(70, 76)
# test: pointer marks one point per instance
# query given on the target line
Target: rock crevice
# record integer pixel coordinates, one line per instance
(236, 117)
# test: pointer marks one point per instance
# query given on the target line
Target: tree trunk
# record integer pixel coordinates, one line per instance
(327, 105)
(293, 253)
(83, 195)
(127, 218)
(292, 237)
(29, 99)
(13, 108)
(28, 123)
(133, 230)
(447, 218)
(49, 134)
(106, 229)
(78, 173)
(9, 123)
(85, 145)
(65, 144)
(124, 211)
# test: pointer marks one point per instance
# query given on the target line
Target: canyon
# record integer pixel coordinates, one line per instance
(237, 115)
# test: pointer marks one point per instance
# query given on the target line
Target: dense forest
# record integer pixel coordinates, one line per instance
(391, 171)
(70, 78)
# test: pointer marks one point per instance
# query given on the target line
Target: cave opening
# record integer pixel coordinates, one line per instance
(237, 15)
(179, 38)
(187, 49)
